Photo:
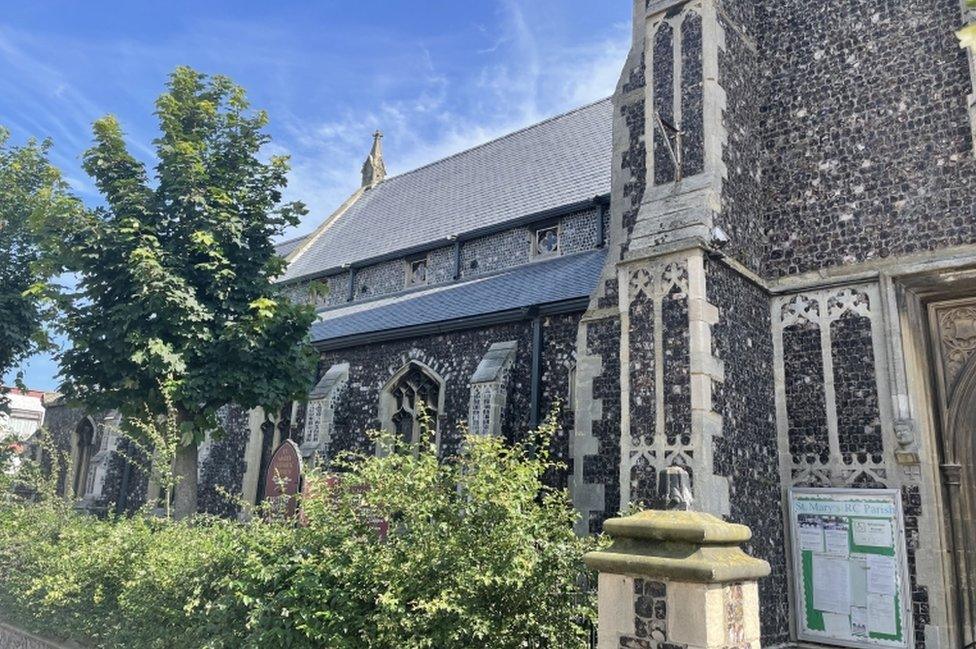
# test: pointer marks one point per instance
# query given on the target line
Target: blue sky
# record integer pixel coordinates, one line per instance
(436, 76)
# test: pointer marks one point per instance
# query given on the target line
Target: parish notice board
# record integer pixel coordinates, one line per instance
(849, 567)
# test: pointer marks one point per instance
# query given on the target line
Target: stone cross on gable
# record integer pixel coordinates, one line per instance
(374, 169)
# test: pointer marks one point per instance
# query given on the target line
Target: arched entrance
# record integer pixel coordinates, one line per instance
(959, 471)
(953, 328)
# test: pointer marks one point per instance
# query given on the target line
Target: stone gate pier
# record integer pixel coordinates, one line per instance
(677, 580)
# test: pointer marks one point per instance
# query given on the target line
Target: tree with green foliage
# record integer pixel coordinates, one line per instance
(175, 302)
(32, 193)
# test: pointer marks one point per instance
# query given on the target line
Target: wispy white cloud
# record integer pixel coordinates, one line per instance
(524, 80)
(426, 107)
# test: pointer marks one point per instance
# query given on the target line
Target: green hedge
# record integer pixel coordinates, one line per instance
(479, 554)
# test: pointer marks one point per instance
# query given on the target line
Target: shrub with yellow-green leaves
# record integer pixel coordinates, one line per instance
(402, 550)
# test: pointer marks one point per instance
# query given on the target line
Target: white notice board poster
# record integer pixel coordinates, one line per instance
(849, 567)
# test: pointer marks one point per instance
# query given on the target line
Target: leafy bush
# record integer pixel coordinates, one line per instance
(401, 550)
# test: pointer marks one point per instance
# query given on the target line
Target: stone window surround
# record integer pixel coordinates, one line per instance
(321, 409)
(387, 406)
(488, 387)
(81, 456)
(539, 228)
(90, 478)
(410, 263)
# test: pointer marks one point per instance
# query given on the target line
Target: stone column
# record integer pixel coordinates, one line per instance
(677, 579)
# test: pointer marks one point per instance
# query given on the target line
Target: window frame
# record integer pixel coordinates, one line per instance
(410, 262)
(534, 239)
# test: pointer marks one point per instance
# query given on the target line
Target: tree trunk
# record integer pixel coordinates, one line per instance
(185, 492)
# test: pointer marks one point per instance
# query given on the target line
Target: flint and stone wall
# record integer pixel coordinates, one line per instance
(14, 638)
(455, 357)
(867, 136)
(578, 232)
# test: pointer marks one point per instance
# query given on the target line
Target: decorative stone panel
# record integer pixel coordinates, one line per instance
(667, 377)
(320, 410)
(834, 410)
(956, 337)
(677, 93)
(682, 124)
(489, 389)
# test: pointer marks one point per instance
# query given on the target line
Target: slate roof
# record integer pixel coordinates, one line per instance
(284, 248)
(559, 162)
(541, 282)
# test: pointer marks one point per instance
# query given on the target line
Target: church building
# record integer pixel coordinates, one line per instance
(756, 261)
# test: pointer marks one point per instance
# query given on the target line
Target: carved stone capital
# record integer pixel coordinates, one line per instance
(952, 474)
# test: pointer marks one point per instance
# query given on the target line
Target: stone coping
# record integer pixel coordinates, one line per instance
(678, 546)
(681, 526)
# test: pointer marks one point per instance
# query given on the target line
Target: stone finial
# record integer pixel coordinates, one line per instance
(675, 489)
(374, 169)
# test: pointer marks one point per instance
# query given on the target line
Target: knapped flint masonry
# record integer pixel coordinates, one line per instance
(756, 261)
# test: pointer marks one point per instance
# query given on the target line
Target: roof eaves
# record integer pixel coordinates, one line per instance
(520, 221)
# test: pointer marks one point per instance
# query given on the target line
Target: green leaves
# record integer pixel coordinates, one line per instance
(967, 36)
(176, 272)
(477, 552)
(33, 200)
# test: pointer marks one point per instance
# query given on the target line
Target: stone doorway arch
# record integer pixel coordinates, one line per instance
(959, 472)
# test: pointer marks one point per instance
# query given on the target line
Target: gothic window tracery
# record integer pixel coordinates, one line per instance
(416, 396)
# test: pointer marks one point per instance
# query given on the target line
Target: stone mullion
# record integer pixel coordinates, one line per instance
(660, 434)
(676, 107)
(886, 407)
(626, 446)
(830, 395)
(779, 389)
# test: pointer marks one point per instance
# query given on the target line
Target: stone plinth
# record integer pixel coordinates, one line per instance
(677, 579)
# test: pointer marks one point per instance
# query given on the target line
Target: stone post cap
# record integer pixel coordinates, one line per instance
(682, 526)
(678, 546)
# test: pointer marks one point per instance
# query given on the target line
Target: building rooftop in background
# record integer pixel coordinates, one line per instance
(26, 414)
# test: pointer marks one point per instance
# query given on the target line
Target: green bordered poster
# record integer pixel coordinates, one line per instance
(849, 567)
